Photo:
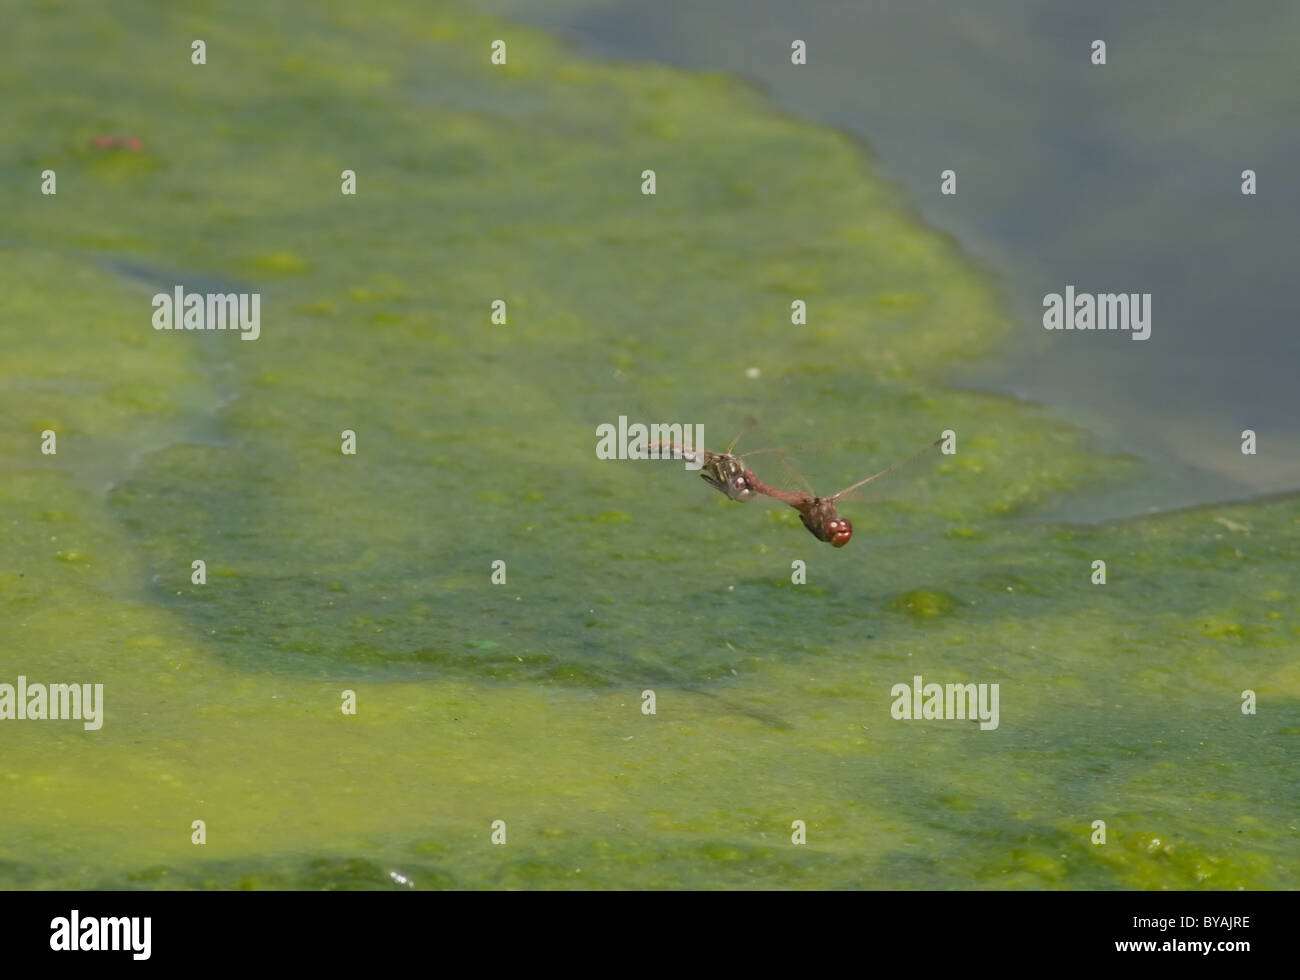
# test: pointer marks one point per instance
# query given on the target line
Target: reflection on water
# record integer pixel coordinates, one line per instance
(1124, 177)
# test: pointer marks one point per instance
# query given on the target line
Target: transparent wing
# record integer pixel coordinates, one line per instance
(790, 473)
(885, 472)
(750, 422)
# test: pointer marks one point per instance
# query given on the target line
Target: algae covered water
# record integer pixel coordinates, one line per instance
(1126, 175)
(371, 573)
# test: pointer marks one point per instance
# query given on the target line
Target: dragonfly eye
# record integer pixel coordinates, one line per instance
(840, 531)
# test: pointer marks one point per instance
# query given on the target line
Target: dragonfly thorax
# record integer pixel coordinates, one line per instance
(727, 474)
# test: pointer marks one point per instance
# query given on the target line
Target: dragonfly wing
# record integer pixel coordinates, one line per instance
(751, 423)
(885, 472)
(792, 476)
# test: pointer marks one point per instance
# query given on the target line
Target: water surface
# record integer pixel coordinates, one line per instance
(330, 573)
(1122, 178)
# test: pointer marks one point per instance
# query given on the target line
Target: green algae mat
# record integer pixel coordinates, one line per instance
(498, 732)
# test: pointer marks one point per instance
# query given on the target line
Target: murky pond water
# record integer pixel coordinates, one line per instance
(1117, 178)
(371, 573)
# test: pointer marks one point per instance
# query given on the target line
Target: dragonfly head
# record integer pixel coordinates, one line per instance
(839, 531)
(739, 488)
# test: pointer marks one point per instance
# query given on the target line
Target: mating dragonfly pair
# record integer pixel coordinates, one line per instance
(727, 473)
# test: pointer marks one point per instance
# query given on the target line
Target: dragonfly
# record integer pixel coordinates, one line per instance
(723, 471)
(819, 514)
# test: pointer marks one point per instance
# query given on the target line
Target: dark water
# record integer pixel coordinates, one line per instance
(1124, 177)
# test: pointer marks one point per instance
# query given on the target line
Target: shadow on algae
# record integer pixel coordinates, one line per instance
(371, 572)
